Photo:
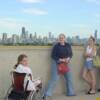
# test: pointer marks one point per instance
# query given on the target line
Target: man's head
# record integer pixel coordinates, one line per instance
(61, 38)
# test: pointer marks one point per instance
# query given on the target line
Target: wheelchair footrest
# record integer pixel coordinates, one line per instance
(16, 95)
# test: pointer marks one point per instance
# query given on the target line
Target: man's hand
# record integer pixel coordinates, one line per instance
(67, 60)
(62, 60)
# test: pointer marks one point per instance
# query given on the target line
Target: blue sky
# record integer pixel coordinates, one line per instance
(72, 17)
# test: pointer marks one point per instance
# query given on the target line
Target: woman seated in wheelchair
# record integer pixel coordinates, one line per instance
(22, 67)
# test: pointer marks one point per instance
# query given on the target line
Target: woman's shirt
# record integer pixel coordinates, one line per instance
(61, 51)
(23, 69)
(89, 50)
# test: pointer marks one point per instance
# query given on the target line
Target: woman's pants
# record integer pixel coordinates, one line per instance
(55, 78)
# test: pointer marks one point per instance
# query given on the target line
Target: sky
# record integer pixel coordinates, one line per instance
(72, 17)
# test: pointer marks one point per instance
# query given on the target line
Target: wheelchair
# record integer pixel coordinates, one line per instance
(17, 91)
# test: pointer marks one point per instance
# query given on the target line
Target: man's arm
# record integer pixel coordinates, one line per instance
(70, 53)
(54, 55)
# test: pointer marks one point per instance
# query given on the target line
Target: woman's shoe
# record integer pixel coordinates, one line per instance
(98, 90)
(91, 93)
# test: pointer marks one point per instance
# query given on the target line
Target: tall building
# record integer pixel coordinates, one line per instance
(95, 34)
(76, 40)
(4, 38)
(31, 36)
(15, 39)
(50, 35)
(23, 30)
(35, 35)
(23, 35)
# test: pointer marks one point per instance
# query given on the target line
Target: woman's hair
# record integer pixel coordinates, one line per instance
(92, 38)
(20, 58)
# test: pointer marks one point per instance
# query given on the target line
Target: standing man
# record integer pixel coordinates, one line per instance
(61, 52)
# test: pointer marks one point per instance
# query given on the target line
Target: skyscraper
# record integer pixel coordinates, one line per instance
(23, 33)
(50, 35)
(4, 38)
(95, 34)
(15, 39)
(31, 36)
(23, 30)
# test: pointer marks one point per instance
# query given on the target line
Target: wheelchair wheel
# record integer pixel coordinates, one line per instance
(35, 95)
(8, 92)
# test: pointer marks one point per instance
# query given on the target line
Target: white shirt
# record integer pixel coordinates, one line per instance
(23, 69)
(89, 51)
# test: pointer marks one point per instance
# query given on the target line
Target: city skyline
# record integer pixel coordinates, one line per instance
(23, 29)
(26, 38)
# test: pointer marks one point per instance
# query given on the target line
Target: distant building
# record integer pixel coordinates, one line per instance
(50, 38)
(9, 41)
(23, 31)
(24, 36)
(45, 40)
(95, 34)
(35, 38)
(50, 35)
(76, 40)
(31, 37)
(15, 39)
(35, 35)
(69, 40)
(4, 38)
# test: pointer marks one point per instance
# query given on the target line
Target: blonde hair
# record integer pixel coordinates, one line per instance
(62, 34)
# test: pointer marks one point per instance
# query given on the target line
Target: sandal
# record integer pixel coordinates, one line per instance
(98, 90)
(91, 93)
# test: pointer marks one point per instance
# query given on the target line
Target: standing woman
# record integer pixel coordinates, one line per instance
(61, 52)
(88, 70)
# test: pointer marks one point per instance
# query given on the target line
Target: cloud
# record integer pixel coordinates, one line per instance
(34, 11)
(32, 1)
(12, 25)
(93, 1)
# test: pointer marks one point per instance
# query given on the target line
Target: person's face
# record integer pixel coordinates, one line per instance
(61, 39)
(24, 61)
(91, 42)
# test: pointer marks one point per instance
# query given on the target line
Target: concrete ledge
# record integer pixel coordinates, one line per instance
(40, 62)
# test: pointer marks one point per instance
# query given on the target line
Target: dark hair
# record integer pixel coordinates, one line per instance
(20, 58)
(92, 38)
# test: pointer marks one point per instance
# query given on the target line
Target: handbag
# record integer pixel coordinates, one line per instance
(62, 68)
(96, 59)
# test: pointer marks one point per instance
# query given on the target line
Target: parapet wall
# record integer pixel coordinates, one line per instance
(40, 62)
